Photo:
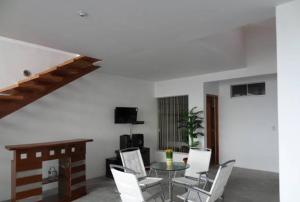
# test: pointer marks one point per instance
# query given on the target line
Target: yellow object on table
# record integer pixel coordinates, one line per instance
(169, 156)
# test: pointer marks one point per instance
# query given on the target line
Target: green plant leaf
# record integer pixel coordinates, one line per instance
(191, 124)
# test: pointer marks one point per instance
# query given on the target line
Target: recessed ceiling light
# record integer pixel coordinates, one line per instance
(82, 13)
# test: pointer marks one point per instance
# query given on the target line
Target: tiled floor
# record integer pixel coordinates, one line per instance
(244, 186)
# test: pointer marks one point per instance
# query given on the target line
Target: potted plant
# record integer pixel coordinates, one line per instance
(191, 123)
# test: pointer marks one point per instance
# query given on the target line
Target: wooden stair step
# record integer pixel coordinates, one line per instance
(48, 78)
(81, 58)
(47, 71)
(38, 85)
(28, 79)
(4, 97)
(7, 90)
(65, 72)
(43, 78)
(6, 107)
(21, 88)
(89, 59)
(31, 86)
(76, 65)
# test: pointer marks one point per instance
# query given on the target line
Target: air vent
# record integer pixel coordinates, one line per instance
(248, 89)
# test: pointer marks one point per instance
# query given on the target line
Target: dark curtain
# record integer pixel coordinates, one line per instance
(170, 110)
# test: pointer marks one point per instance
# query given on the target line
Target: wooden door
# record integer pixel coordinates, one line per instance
(212, 126)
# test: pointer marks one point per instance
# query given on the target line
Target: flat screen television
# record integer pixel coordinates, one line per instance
(126, 114)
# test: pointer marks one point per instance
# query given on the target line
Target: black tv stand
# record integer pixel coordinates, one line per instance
(138, 122)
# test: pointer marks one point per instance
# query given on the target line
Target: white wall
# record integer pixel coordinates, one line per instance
(16, 56)
(248, 125)
(211, 88)
(81, 109)
(288, 52)
(260, 43)
(259, 40)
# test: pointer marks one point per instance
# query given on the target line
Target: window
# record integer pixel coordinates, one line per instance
(248, 89)
(257, 89)
(170, 111)
(238, 90)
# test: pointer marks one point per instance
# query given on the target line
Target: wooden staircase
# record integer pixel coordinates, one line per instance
(34, 87)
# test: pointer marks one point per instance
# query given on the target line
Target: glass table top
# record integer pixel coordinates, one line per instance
(175, 166)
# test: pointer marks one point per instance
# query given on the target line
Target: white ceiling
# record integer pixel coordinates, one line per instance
(152, 40)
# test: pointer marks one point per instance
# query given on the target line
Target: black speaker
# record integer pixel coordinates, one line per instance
(137, 140)
(125, 142)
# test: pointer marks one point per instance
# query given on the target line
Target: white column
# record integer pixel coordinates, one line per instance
(288, 56)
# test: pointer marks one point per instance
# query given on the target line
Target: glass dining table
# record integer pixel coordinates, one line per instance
(170, 168)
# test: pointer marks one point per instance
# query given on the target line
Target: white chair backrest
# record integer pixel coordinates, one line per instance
(128, 186)
(221, 180)
(133, 160)
(198, 160)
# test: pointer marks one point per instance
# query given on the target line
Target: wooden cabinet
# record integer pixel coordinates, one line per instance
(27, 179)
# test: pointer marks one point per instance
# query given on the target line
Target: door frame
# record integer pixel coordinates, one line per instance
(209, 144)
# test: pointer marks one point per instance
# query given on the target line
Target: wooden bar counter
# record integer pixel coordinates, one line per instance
(26, 168)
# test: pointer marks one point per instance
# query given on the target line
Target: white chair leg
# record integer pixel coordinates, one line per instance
(162, 198)
(199, 196)
(204, 186)
(150, 171)
(162, 192)
(206, 180)
(187, 196)
(156, 173)
(222, 197)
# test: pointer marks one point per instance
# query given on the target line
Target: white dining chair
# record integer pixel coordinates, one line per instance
(198, 160)
(196, 194)
(132, 159)
(128, 186)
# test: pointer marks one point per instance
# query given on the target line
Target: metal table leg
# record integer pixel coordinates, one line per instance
(170, 187)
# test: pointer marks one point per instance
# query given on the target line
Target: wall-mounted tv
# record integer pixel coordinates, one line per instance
(126, 114)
